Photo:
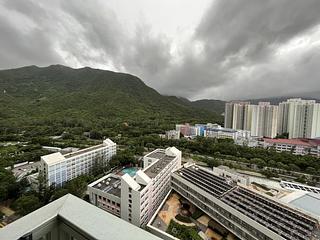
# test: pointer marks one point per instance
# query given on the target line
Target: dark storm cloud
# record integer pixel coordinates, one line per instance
(19, 48)
(239, 49)
(240, 35)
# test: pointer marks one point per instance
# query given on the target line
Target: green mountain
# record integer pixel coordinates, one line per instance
(216, 106)
(33, 97)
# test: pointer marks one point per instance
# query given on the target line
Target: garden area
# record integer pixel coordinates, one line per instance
(180, 218)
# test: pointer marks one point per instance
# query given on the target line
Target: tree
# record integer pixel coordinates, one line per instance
(26, 204)
(59, 193)
(77, 186)
(8, 182)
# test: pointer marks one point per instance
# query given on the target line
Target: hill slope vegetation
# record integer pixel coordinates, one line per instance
(52, 98)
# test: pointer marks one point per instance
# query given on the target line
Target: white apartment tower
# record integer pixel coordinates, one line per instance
(235, 115)
(136, 198)
(261, 119)
(271, 121)
(283, 118)
(264, 118)
(58, 169)
(228, 115)
(300, 118)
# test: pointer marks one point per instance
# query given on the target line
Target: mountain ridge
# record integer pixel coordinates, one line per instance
(42, 96)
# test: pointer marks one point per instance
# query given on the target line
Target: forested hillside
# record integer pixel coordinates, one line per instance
(52, 99)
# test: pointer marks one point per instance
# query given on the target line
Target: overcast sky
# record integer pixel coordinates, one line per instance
(216, 49)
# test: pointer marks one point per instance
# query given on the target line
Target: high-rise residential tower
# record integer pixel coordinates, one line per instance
(228, 115)
(261, 119)
(300, 118)
(235, 115)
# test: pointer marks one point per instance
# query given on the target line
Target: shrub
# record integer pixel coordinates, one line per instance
(182, 218)
(198, 213)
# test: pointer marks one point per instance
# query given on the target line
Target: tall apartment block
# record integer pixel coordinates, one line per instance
(136, 198)
(261, 119)
(246, 213)
(234, 116)
(58, 168)
(300, 118)
(71, 218)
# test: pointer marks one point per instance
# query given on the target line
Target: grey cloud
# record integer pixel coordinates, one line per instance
(238, 44)
(19, 48)
(246, 34)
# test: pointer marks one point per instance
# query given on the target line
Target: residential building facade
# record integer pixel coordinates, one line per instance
(173, 134)
(294, 146)
(135, 198)
(299, 118)
(261, 120)
(58, 168)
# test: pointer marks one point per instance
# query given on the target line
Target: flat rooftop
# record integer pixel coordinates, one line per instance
(111, 185)
(158, 166)
(208, 182)
(309, 202)
(285, 221)
(88, 221)
(228, 130)
(72, 154)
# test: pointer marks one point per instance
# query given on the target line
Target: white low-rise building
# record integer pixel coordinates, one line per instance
(58, 168)
(173, 134)
(294, 146)
(240, 137)
(135, 199)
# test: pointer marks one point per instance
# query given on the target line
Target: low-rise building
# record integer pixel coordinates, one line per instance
(173, 134)
(240, 137)
(294, 146)
(136, 198)
(188, 130)
(246, 213)
(58, 168)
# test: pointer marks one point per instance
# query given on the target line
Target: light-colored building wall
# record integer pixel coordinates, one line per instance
(142, 194)
(271, 121)
(58, 169)
(228, 115)
(238, 116)
(173, 134)
(303, 118)
(283, 118)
